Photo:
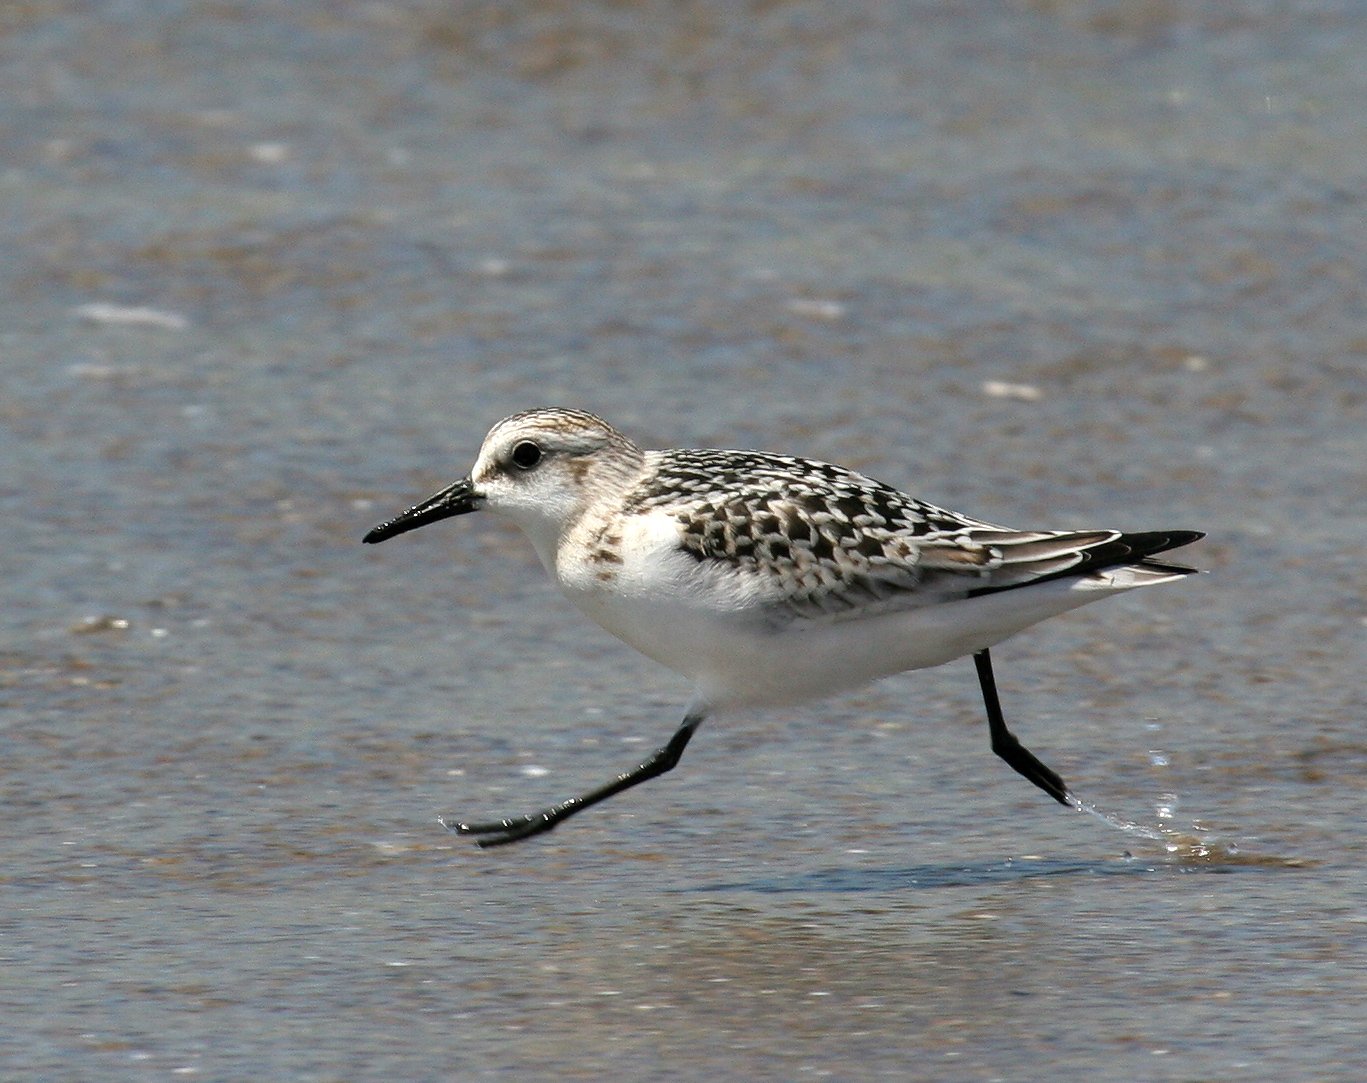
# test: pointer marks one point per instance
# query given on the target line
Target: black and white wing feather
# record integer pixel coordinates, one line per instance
(832, 543)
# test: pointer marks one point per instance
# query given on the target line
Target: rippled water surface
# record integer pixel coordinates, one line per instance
(1056, 263)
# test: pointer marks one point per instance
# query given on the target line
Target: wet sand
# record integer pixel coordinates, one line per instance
(1056, 264)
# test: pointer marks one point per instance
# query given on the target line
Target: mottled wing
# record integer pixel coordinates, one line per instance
(823, 540)
(828, 542)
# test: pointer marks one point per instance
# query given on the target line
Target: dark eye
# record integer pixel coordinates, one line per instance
(526, 455)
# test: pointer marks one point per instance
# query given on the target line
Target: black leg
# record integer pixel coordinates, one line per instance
(1004, 742)
(502, 832)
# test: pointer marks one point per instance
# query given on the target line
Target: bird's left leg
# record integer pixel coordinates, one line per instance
(502, 832)
(1005, 744)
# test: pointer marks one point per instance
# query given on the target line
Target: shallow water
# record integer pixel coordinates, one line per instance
(1051, 263)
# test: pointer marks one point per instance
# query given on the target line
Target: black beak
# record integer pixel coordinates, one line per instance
(458, 499)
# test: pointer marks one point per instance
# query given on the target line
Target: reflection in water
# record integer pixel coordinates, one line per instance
(931, 876)
(1184, 856)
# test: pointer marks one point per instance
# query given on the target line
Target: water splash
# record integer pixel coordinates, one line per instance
(1154, 834)
(1179, 846)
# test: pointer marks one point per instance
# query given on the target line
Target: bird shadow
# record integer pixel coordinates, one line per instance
(975, 874)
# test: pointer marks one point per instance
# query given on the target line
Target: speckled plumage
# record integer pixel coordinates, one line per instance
(833, 543)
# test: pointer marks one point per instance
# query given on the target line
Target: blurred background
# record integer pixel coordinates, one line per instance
(270, 271)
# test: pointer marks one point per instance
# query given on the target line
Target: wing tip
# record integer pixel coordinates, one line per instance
(1108, 558)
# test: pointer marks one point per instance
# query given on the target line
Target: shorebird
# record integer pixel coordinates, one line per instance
(769, 580)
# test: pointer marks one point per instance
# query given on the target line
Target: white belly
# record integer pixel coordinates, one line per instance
(737, 660)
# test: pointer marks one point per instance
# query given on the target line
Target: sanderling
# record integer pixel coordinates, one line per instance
(770, 580)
